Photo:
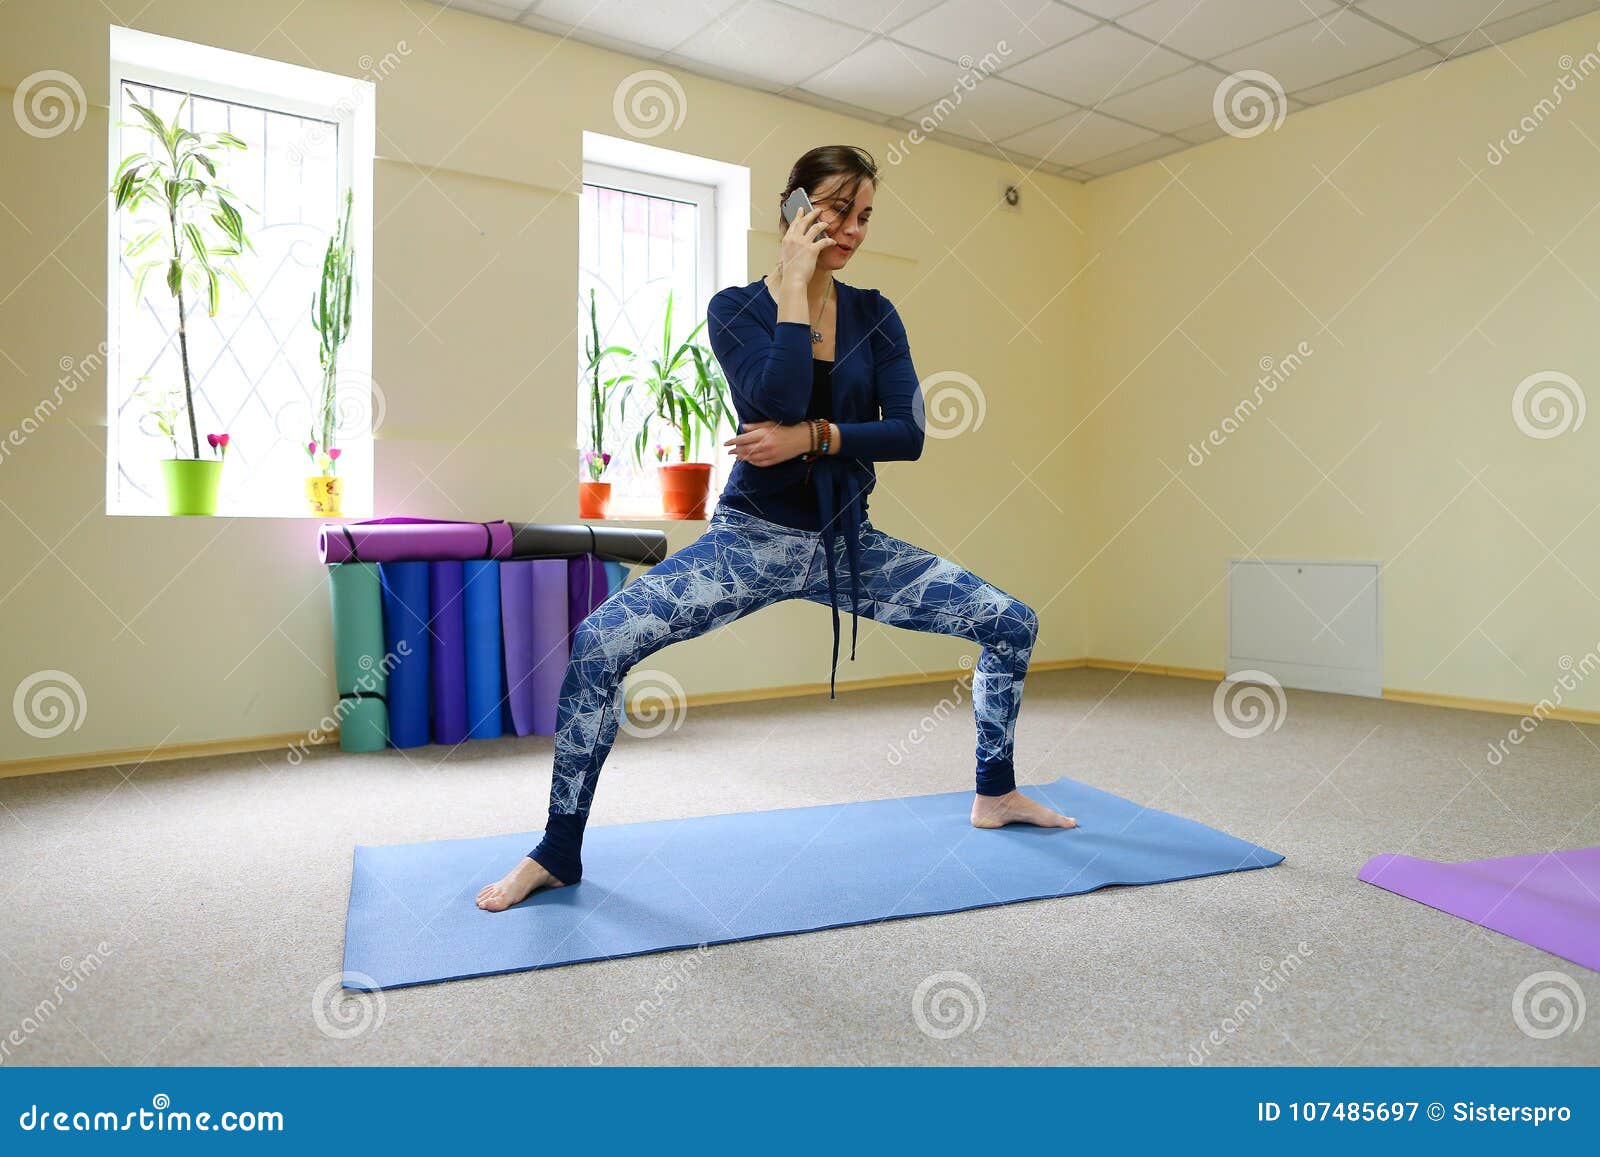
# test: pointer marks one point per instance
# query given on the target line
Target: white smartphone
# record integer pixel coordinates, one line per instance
(797, 205)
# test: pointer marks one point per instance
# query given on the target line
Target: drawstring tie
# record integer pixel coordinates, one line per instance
(837, 473)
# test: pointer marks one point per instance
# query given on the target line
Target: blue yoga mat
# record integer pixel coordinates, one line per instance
(651, 887)
(447, 617)
(485, 670)
(405, 621)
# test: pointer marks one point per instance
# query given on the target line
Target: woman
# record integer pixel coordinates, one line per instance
(811, 363)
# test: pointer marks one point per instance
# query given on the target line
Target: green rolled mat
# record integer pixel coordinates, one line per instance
(358, 656)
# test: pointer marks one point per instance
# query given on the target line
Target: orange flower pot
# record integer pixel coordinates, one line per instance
(684, 488)
(594, 499)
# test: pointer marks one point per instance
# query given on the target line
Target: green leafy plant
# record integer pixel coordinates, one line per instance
(600, 390)
(178, 176)
(686, 390)
(330, 314)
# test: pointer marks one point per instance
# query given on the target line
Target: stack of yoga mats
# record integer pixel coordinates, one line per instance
(449, 631)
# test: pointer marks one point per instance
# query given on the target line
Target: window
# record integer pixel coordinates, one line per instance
(654, 228)
(254, 368)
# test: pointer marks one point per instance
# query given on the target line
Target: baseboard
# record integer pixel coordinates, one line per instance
(138, 755)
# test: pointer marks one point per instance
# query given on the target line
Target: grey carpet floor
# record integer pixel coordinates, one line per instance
(192, 912)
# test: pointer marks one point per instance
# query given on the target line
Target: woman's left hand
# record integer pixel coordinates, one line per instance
(767, 443)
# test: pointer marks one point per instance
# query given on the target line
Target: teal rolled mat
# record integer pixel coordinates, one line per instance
(357, 600)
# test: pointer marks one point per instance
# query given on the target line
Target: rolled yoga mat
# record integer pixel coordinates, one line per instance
(405, 640)
(485, 685)
(652, 887)
(516, 633)
(447, 617)
(618, 543)
(550, 640)
(412, 539)
(1550, 900)
(616, 577)
(363, 714)
(586, 587)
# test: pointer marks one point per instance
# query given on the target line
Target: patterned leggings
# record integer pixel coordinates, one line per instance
(741, 564)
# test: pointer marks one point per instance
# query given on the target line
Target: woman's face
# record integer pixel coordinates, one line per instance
(846, 219)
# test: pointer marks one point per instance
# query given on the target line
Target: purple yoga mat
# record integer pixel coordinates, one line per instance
(550, 651)
(448, 651)
(516, 628)
(587, 587)
(412, 540)
(1546, 899)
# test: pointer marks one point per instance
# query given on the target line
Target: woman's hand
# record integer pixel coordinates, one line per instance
(767, 443)
(807, 237)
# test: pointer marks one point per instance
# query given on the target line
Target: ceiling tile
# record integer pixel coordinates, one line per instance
(1171, 103)
(992, 111)
(1078, 137)
(1199, 134)
(654, 24)
(1096, 65)
(1519, 25)
(1127, 158)
(763, 39)
(1431, 20)
(1207, 28)
(881, 16)
(1367, 77)
(975, 28)
(1107, 9)
(1316, 53)
(509, 10)
(888, 78)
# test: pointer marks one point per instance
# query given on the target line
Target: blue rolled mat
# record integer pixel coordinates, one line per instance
(656, 886)
(405, 639)
(485, 686)
(447, 617)
(616, 576)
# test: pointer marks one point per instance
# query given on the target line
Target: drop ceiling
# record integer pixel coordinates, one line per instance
(1080, 89)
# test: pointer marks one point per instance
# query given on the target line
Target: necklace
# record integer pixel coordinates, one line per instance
(816, 334)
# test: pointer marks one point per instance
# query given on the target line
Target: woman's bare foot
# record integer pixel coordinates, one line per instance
(516, 886)
(996, 811)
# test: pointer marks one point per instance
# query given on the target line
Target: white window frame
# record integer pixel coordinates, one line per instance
(702, 196)
(141, 58)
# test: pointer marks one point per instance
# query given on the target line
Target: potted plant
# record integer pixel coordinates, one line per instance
(690, 395)
(594, 495)
(330, 314)
(178, 177)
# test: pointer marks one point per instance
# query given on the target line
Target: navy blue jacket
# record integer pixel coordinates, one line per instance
(877, 405)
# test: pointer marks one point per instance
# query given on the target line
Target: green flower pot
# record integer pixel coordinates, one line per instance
(192, 484)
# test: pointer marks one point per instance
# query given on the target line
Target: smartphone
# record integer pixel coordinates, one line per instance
(797, 205)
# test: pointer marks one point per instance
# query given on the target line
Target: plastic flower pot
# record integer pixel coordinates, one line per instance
(325, 494)
(594, 499)
(192, 484)
(684, 487)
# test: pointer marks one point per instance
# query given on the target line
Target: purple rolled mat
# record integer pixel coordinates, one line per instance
(447, 618)
(587, 587)
(550, 651)
(516, 625)
(412, 540)
(1550, 900)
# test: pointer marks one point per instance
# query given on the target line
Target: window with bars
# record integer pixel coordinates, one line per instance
(646, 242)
(254, 368)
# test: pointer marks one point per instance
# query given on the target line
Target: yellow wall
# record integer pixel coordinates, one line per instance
(183, 631)
(1428, 283)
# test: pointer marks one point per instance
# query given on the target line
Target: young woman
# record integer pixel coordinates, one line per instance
(812, 364)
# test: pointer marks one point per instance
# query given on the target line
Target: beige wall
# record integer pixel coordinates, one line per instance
(192, 630)
(1428, 283)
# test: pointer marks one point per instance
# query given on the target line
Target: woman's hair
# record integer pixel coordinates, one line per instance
(826, 161)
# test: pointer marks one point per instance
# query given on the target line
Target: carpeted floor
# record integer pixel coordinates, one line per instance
(193, 912)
